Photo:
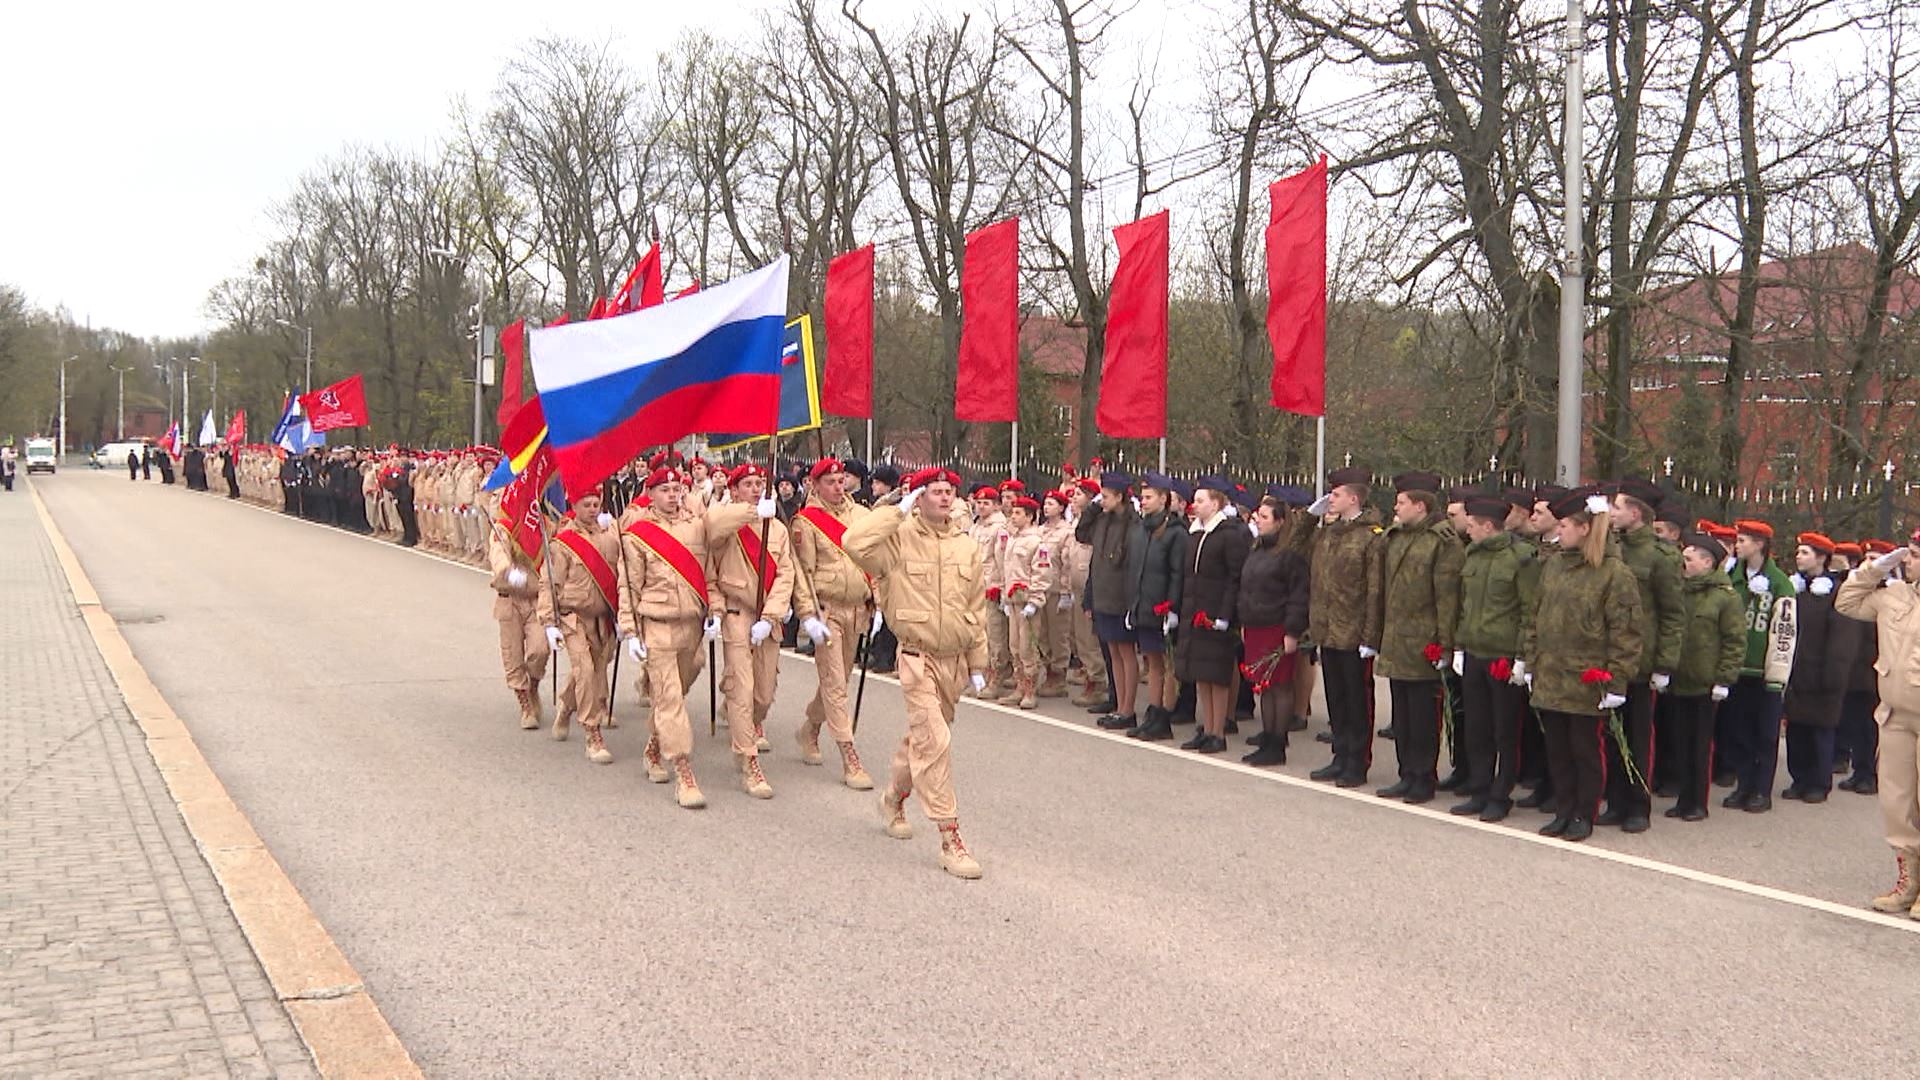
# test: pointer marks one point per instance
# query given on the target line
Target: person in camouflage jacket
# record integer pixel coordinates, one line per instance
(1499, 586)
(1420, 606)
(1343, 541)
(1713, 639)
(1579, 654)
(1656, 567)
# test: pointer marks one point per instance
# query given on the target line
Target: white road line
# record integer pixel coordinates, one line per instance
(1684, 873)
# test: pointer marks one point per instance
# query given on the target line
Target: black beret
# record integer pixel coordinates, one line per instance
(1352, 474)
(1417, 481)
(1489, 508)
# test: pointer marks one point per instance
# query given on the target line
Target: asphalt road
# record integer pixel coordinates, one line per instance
(518, 912)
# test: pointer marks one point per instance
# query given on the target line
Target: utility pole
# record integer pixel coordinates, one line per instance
(308, 330)
(63, 404)
(1572, 272)
(120, 424)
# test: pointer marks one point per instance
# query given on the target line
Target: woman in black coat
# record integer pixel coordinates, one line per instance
(1217, 546)
(1273, 615)
(1119, 542)
(1824, 645)
(1156, 603)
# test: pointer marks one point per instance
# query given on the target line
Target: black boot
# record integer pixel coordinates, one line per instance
(1577, 830)
(1454, 781)
(1258, 738)
(1272, 752)
(1556, 827)
(1152, 717)
(1157, 729)
(1330, 771)
(1199, 739)
(1396, 790)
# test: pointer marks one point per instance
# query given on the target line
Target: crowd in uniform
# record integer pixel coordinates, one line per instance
(1579, 652)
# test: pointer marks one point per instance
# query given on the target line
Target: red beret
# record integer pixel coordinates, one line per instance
(1088, 484)
(1058, 496)
(1817, 542)
(1877, 547)
(751, 468)
(1026, 503)
(826, 466)
(1013, 485)
(932, 475)
(1851, 551)
(665, 475)
(1753, 528)
(986, 491)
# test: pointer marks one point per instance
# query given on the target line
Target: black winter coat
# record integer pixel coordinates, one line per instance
(1119, 543)
(1163, 567)
(1214, 563)
(1274, 587)
(1823, 654)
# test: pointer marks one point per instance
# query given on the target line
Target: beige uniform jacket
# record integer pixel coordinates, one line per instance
(1026, 567)
(503, 555)
(739, 583)
(930, 581)
(572, 581)
(831, 575)
(650, 588)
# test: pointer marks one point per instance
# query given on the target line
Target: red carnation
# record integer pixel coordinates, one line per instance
(1595, 675)
(993, 593)
(1201, 621)
(1434, 652)
(1501, 669)
(1163, 608)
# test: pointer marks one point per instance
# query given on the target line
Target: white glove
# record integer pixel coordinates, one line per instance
(1520, 677)
(636, 648)
(1319, 506)
(605, 520)
(767, 507)
(1220, 625)
(1128, 621)
(1529, 680)
(761, 631)
(1799, 583)
(817, 630)
(1719, 693)
(711, 629)
(1660, 681)
(1821, 586)
(1066, 603)
(1459, 662)
(516, 577)
(1232, 510)
(1367, 653)
(1006, 608)
(878, 622)
(979, 682)
(1171, 621)
(907, 501)
(1729, 564)
(555, 640)
(1890, 560)
(1612, 701)
(1029, 611)
(1759, 583)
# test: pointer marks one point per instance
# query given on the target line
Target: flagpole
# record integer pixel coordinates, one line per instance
(1320, 455)
(546, 569)
(1163, 453)
(870, 439)
(1013, 467)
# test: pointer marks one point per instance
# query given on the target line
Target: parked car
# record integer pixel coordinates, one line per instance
(41, 456)
(114, 454)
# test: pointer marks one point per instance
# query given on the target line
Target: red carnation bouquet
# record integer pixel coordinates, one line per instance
(1163, 608)
(1202, 621)
(1501, 669)
(993, 594)
(1594, 676)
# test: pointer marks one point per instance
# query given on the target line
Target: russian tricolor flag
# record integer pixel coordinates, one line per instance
(611, 388)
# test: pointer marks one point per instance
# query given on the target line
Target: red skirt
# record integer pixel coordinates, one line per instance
(1267, 660)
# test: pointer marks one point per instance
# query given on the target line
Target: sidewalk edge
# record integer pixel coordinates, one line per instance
(338, 1021)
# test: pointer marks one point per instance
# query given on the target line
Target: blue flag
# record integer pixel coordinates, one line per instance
(799, 387)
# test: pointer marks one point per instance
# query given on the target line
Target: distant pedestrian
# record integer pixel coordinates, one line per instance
(133, 464)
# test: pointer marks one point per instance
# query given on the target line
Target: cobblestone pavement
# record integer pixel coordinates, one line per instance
(118, 953)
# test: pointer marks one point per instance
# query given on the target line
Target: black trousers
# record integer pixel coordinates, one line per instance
(1575, 761)
(1810, 757)
(1691, 719)
(1416, 727)
(1636, 716)
(1491, 713)
(1663, 778)
(1859, 735)
(409, 522)
(1348, 682)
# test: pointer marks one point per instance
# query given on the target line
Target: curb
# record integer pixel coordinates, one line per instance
(341, 1026)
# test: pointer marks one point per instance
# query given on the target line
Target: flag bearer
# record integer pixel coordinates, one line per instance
(840, 607)
(579, 616)
(754, 574)
(523, 648)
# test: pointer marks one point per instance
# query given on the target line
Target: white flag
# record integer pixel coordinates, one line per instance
(207, 435)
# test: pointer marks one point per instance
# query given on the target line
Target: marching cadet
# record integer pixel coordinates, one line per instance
(668, 607)
(1056, 612)
(1824, 646)
(939, 613)
(987, 529)
(1579, 659)
(1343, 541)
(1421, 604)
(1656, 567)
(1499, 583)
(1871, 594)
(579, 616)
(1712, 644)
(516, 608)
(754, 574)
(1749, 723)
(840, 606)
(1026, 570)
(1096, 695)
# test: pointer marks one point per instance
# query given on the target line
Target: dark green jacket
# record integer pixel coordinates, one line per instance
(1758, 605)
(1499, 584)
(1656, 566)
(1589, 617)
(1715, 636)
(1422, 605)
(1346, 557)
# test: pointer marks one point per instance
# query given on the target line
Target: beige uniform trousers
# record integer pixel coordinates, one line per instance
(1054, 637)
(752, 674)
(833, 662)
(1023, 642)
(999, 645)
(924, 763)
(1899, 776)
(673, 661)
(523, 641)
(589, 648)
(1086, 646)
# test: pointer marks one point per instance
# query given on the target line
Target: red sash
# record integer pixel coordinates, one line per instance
(595, 563)
(757, 557)
(830, 527)
(674, 554)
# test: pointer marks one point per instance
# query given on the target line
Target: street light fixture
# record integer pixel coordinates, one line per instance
(120, 425)
(63, 403)
(308, 330)
(215, 365)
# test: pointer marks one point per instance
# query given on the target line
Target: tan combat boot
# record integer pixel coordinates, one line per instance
(597, 751)
(656, 768)
(1025, 695)
(560, 721)
(1906, 887)
(893, 815)
(1054, 685)
(529, 709)
(955, 859)
(760, 742)
(851, 774)
(753, 779)
(809, 739)
(685, 790)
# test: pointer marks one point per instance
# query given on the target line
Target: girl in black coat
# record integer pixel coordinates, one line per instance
(1824, 646)
(1273, 614)
(1217, 547)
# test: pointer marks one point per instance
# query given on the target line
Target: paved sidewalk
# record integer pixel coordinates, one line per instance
(118, 952)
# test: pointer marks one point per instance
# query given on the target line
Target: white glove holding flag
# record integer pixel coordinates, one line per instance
(979, 682)
(878, 622)
(516, 577)
(710, 630)
(1611, 702)
(1719, 693)
(1660, 681)
(1220, 625)
(761, 631)
(636, 648)
(555, 640)
(817, 630)
(767, 507)
(907, 501)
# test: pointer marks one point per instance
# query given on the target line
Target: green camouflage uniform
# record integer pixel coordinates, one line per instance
(1499, 586)
(1422, 601)
(1714, 639)
(1342, 553)
(1588, 617)
(1656, 567)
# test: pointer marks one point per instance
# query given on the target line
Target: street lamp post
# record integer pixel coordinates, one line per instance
(308, 330)
(215, 365)
(120, 423)
(479, 345)
(63, 404)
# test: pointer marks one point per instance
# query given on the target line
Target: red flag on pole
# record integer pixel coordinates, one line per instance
(344, 404)
(988, 386)
(520, 503)
(237, 428)
(644, 287)
(513, 350)
(1297, 290)
(847, 388)
(688, 291)
(1133, 373)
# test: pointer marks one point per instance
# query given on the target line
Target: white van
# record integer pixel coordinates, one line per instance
(41, 456)
(114, 454)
